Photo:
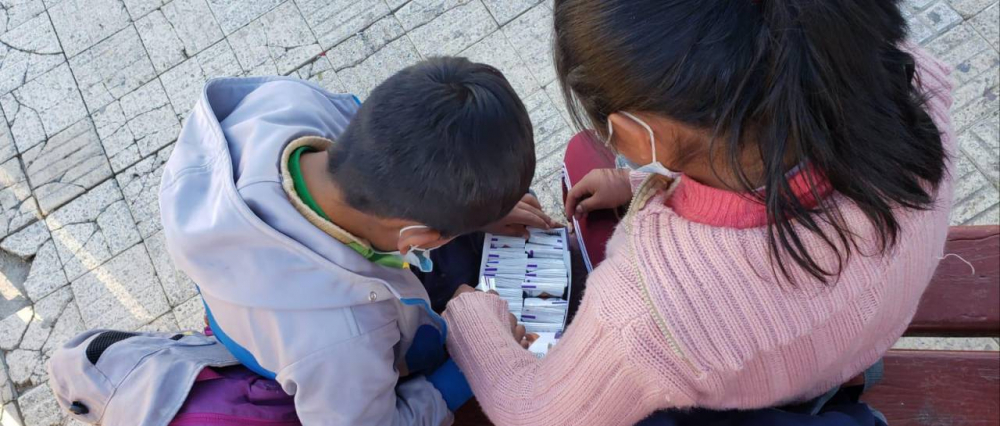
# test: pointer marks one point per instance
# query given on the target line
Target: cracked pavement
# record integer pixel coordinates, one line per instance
(94, 92)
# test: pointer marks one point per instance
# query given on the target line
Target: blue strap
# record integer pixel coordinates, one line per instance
(242, 354)
(450, 381)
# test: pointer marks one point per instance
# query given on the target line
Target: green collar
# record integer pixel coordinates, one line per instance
(295, 169)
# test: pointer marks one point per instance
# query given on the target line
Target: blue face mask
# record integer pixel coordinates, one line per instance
(416, 256)
(654, 166)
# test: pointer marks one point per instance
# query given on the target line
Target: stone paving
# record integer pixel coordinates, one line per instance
(93, 94)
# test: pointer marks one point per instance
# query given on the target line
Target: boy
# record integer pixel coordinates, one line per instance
(298, 213)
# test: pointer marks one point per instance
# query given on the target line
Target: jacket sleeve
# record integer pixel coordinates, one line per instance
(354, 383)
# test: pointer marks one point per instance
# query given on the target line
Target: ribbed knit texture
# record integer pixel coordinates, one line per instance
(717, 329)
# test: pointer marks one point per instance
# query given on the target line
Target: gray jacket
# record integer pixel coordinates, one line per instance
(291, 302)
(118, 378)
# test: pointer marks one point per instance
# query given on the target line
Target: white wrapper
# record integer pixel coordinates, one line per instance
(545, 341)
(521, 270)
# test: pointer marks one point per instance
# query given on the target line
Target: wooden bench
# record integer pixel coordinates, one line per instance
(924, 388)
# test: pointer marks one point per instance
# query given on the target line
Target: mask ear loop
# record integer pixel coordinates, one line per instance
(407, 228)
(652, 139)
(611, 134)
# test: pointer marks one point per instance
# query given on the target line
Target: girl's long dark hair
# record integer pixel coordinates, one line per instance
(817, 82)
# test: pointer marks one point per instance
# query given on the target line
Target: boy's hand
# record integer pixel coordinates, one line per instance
(521, 336)
(599, 189)
(528, 212)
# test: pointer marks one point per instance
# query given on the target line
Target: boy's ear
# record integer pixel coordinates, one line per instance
(421, 237)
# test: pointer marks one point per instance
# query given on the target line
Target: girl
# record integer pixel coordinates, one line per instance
(790, 208)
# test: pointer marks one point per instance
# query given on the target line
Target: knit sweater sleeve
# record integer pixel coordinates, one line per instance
(584, 379)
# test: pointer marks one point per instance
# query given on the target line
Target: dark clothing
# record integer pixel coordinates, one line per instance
(455, 263)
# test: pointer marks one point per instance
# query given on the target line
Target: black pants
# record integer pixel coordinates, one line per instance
(455, 263)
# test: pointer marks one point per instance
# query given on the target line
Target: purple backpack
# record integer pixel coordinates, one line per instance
(118, 378)
(236, 396)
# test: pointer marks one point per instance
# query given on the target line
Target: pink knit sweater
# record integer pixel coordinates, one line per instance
(711, 327)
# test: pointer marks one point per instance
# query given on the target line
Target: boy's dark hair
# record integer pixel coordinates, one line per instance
(446, 143)
(822, 83)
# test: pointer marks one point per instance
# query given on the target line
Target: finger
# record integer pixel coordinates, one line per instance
(579, 192)
(532, 200)
(513, 230)
(522, 231)
(586, 206)
(522, 216)
(538, 213)
(549, 220)
(513, 322)
(519, 333)
(531, 337)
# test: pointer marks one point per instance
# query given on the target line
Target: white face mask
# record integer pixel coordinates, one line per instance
(415, 256)
(653, 167)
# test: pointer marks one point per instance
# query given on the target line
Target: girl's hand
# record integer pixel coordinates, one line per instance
(527, 212)
(600, 189)
(520, 334)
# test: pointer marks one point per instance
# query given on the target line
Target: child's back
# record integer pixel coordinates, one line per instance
(300, 299)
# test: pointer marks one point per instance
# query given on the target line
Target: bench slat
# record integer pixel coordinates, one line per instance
(958, 302)
(923, 388)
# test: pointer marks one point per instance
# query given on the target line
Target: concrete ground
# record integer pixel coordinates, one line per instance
(93, 93)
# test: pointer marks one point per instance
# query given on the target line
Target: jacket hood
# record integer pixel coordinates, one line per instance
(227, 220)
